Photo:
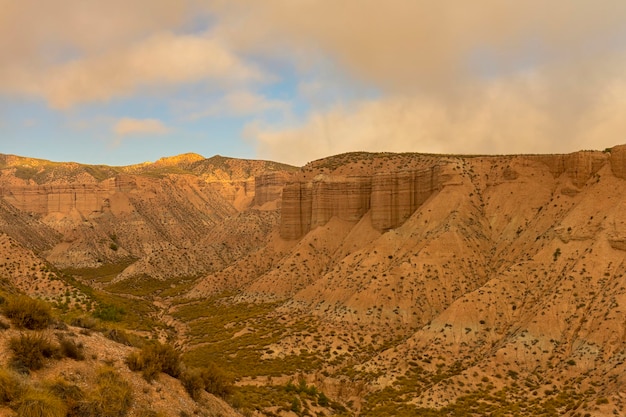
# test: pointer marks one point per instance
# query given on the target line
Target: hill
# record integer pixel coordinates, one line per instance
(394, 284)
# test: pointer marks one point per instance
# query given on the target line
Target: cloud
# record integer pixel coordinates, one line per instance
(474, 77)
(513, 115)
(426, 46)
(241, 103)
(70, 52)
(161, 60)
(479, 76)
(36, 32)
(128, 126)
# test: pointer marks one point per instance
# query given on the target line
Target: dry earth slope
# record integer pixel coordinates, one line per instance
(430, 282)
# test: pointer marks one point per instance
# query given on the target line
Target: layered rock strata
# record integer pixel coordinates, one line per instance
(579, 166)
(391, 196)
(269, 187)
(396, 195)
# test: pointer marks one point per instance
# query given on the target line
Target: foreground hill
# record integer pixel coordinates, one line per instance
(395, 284)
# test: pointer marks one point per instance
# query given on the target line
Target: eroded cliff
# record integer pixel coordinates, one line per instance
(392, 193)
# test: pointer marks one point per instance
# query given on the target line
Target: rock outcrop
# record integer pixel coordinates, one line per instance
(46, 199)
(618, 161)
(268, 187)
(579, 166)
(396, 195)
(391, 196)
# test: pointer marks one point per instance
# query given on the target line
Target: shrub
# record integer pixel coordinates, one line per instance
(84, 322)
(109, 312)
(296, 405)
(121, 337)
(28, 313)
(10, 386)
(153, 359)
(211, 379)
(216, 381)
(31, 350)
(111, 398)
(37, 403)
(70, 349)
(71, 395)
(193, 383)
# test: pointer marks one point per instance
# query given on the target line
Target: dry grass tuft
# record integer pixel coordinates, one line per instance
(36, 403)
(70, 349)
(153, 359)
(28, 313)
(112, 396)
(10, 386)
(30, 350)
(210, 379)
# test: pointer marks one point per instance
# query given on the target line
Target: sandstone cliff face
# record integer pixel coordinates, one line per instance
(618, 161)
(160, 214)
(579, 166)
(296, 210)
(392, 196)
(395, 192)
(268, 187)
(46, 199)
(396, 195)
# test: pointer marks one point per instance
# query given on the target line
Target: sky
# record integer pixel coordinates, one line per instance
(119, 82)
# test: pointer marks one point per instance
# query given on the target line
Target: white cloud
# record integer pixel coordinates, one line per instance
(161, 60)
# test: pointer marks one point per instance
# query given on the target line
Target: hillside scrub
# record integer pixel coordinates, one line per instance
(30, 350)
(37, 403)
(153, 359)
(112, 396)
(10, 386)
(211, 379)
(28, 313)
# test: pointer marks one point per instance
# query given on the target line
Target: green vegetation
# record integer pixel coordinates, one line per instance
(109, 312)
(237, 336)
(26, 172)
(72, 396)
(299, 398)
(145, 286)
(70, 349)
(244, 338)
(102, 274)
(100, 172)
(124, 312)
(154, 358)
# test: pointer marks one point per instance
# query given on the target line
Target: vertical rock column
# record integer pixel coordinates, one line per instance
(269, 187)
(348, 198)
(396, 195)
(296, 210)
(618, 161)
